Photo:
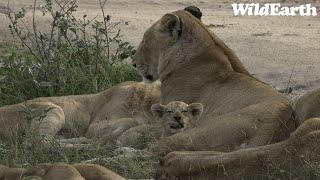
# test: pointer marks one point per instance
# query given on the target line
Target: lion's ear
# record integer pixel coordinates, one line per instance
(196, 109)
(195, 11)
(170, 25)
(157, 110)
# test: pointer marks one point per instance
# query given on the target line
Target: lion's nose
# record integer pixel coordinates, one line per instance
(177, 118)
(149, 77)
(134, 65)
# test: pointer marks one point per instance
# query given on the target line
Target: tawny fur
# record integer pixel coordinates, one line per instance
(96, 172)
(239, 110)
(3, 170)
(62, 171)
(79, 171)
(177, 116)
(137, 137)
(163, 117)
(106, 114)
(295, 158)
(7, 173)
(308, 106)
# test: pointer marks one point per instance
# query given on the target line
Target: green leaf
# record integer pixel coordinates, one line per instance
(73, 30)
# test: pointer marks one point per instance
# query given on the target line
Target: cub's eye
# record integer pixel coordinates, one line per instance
(170, 112)
(184, 111)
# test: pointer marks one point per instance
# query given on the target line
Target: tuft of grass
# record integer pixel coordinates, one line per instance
(140, 166)
(32, 148)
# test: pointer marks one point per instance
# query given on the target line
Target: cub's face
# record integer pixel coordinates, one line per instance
(177, 116)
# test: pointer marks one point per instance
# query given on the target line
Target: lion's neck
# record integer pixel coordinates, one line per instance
(190, 76)
(196, 34)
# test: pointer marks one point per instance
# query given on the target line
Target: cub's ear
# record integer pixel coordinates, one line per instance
(196, 109)
(195, 11)
(170, 25)
(157, 110)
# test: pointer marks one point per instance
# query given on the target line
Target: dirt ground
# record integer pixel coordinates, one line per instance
(277, 50)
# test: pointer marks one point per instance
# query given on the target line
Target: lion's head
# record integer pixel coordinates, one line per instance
(156, 40)
(179, 35)
(177, 116)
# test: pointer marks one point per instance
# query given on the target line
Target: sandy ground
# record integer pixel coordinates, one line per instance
(277, 50)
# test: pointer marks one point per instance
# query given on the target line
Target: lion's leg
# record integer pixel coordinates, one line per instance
(200, 153)
(192, 166)
(62, 171)
(49, 119)
(250, 127)
(103, 132)
(93, 171)
(297, 155)
(139, 137)
(81, 142)
(200, 139)
(110, 130)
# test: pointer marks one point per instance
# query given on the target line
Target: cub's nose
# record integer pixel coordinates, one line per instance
(134, 65)
(177, 118)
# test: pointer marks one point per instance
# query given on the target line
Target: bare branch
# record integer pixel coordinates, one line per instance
(105, 19)
(35, 29)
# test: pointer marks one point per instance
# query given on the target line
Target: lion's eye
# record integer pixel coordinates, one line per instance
(184, 111)
(170, 112)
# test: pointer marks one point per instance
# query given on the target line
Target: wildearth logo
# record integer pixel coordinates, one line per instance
(273, 9)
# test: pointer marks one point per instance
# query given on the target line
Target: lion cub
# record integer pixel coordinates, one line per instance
(177, 116)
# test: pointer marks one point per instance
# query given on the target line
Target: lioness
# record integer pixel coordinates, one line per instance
(308, 106)
(108, 113)
(194, 65)
(177, 116)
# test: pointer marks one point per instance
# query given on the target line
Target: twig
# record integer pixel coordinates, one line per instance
(290, 77)
(17, 33)
(66, 12)
(28, 30)
(105, 26)
(97, 52)
(53, 26)
(35, 29)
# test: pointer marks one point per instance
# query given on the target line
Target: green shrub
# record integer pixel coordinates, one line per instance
(72, 57)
